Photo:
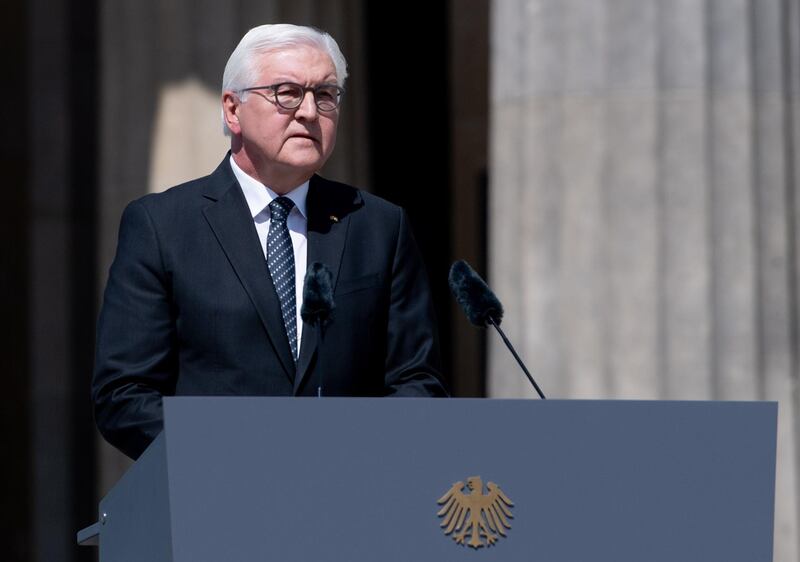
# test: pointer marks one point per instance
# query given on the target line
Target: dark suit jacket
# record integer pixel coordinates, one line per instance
(189, 308)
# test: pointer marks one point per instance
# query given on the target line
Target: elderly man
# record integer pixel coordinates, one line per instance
(204, 292)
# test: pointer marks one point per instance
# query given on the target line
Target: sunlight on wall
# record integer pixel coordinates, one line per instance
(187, 136)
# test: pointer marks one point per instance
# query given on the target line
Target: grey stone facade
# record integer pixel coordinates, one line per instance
(644, 217)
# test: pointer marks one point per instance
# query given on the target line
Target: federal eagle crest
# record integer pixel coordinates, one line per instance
(475, 514)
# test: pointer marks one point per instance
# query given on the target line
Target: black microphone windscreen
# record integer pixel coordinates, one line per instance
(474, 295)
(317, 294)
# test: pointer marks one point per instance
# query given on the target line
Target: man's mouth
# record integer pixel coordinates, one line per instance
(303, 136)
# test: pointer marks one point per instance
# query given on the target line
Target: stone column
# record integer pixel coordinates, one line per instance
(55, 140)
(644, 220)
(49, 292)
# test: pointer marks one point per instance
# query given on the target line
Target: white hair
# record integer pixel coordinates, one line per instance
(241, 70)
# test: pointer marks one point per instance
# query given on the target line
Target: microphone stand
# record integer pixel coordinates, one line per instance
(318, 328)
(514, 353)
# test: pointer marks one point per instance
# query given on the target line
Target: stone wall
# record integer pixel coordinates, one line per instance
(644, 217)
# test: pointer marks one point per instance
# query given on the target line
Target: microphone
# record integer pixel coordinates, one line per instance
(481, 306)
(317, 294)
(317, 300)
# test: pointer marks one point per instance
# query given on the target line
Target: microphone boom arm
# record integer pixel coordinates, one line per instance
(491, 321)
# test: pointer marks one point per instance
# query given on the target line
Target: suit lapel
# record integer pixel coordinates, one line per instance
(232, 223)
(329, 205)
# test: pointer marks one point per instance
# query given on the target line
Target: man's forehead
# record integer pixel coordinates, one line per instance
(287, 57)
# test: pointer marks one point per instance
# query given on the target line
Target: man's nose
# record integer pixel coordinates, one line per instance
(308, 107)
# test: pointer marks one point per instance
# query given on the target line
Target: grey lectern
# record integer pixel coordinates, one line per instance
(352, 479)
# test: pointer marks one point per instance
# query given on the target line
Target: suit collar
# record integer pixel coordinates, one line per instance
(220, 181)
(229, 218)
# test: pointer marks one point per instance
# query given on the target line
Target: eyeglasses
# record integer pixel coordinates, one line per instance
(289, 95)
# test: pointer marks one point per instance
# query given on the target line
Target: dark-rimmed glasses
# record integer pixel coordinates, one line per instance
(289, 95)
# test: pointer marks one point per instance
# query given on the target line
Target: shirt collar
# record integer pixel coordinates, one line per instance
(259, 196)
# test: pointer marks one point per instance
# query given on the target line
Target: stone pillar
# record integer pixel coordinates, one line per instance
(49, 290)
(162, 65)
(644, 220)
(58, 144)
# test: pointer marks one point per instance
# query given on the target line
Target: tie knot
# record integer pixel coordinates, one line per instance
(280, 208)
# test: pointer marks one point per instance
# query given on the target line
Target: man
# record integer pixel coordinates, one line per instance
(204, 292)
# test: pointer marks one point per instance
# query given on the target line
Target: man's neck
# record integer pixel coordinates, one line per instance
(279, 183)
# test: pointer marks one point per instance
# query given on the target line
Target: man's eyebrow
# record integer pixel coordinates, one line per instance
(327, 80)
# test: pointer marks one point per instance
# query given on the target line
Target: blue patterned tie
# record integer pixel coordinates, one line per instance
(280, 261)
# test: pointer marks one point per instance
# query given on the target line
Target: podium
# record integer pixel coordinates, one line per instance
(238, 479)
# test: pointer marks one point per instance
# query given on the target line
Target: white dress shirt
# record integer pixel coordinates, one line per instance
(258, 198)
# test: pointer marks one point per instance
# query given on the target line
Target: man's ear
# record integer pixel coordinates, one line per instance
(230, 111)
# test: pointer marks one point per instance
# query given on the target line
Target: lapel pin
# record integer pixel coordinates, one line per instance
(334, 218)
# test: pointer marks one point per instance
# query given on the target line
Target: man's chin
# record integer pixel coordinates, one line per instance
(299, 169)
(305, 159)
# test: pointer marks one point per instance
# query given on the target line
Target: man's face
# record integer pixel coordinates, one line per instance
(284, 147)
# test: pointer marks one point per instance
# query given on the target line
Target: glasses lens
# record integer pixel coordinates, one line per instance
(289, 96)
(327, 97)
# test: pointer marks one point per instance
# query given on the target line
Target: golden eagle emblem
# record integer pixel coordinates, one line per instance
(475, 513)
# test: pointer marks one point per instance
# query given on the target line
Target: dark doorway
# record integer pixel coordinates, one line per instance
(409, 116)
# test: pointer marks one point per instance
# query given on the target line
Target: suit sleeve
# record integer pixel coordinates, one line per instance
(135, 360)
(413, 363)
